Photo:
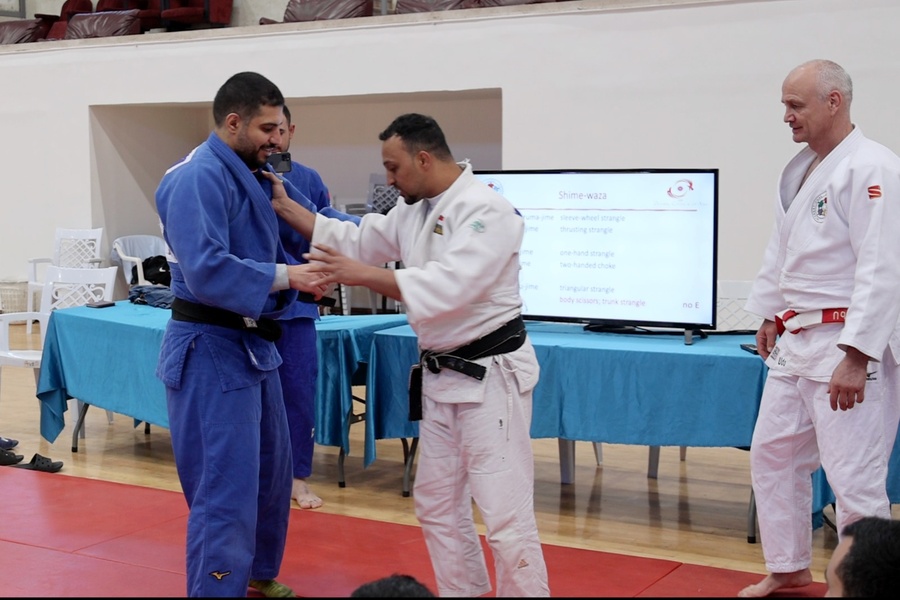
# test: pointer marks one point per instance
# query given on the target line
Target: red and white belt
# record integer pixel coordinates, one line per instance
(794, 322)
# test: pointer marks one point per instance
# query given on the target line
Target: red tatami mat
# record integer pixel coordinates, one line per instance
(69, 536)
(693, 581)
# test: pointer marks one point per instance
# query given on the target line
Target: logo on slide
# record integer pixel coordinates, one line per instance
(494, 185)
(680, 188)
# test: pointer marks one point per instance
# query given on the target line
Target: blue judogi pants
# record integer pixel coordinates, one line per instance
(298, 373)
(232, 451)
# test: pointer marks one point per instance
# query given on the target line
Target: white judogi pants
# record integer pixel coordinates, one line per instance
(480, 451)
(795, 432)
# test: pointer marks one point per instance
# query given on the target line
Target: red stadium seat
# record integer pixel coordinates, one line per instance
(103, 24)
(321, 10)
(196, 14)
(57, 23)
(149, 11)
(22, 31)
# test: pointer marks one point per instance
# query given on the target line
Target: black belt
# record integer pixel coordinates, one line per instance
(507, 338)
(184, 310)
(309, 298)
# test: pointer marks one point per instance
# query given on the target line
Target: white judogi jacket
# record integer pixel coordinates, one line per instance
(461, 277)
(461, 253)
(835, 244)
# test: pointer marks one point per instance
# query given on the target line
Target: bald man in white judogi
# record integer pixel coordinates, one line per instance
(831, 396)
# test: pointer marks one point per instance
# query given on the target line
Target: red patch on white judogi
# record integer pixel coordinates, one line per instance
(874, 192)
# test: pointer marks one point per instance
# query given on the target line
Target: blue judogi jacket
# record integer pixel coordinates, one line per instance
(219, 223)
(310, 191)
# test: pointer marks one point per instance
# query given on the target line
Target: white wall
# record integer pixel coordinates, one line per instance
(90, 125)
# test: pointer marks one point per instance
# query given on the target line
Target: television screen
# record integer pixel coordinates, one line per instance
(616, 248)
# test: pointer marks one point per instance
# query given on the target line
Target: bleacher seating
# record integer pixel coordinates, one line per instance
(149, 11)
(58, 23)
(22, 31)
(417, 6)
(487, 3)
(103, 24)
(320, 10)
(179, 15)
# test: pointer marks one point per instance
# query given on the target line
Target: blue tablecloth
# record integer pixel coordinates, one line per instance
(651, 390)
(598, 387)
(343, 343)
(107, 358)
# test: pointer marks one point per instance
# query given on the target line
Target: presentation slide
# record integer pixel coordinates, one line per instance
(631, 247)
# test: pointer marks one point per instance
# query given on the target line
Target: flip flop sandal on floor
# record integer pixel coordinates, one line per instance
(8, 443)
(8, 458)
(41, 463)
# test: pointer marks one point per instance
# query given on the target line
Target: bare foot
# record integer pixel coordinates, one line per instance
(304, 496)
(776, 581)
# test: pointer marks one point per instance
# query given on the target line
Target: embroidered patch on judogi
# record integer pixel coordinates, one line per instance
(819, 207)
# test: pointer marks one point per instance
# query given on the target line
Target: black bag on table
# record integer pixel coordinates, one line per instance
(156, 270)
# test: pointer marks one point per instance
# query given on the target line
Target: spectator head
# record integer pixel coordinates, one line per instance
(866, 562)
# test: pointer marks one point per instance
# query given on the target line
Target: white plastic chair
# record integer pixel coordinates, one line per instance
(129, 251)
(63, 288)
(72, 248)
(381, 197)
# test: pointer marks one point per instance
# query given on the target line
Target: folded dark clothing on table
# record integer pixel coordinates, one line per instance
(159, 296)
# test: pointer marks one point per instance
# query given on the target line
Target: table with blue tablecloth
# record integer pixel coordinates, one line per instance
(648, 389)
(343, 343)
(652, 390)
(106, 357)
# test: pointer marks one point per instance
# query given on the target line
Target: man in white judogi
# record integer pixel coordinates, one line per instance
(829, 290)
(459, 242)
